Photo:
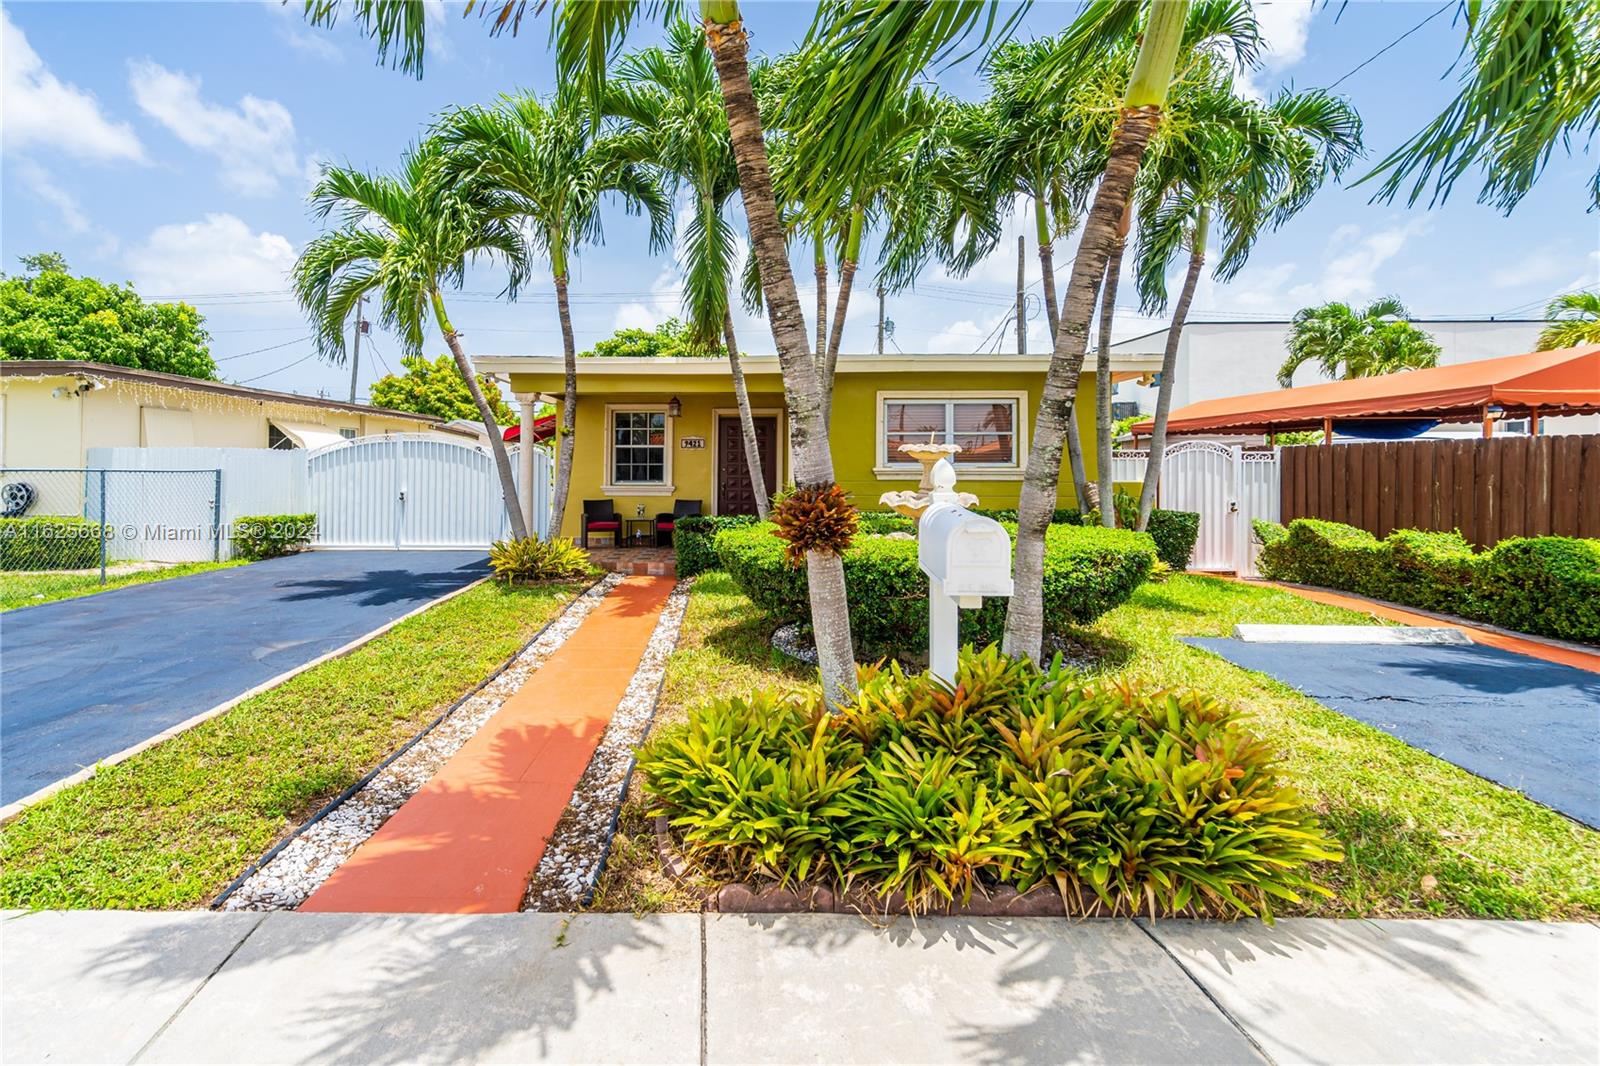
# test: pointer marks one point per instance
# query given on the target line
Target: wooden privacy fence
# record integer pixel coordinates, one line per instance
(1488, 489)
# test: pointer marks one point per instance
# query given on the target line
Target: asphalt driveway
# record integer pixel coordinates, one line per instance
(1525, 723)
(82, 679)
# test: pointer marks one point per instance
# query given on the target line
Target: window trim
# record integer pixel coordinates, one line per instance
(664, 487)
(903, 469)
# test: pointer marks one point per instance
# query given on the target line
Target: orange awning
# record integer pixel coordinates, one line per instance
(1561, 382)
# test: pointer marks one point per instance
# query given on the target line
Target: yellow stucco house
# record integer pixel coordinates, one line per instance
(53, 411)
(652, 431)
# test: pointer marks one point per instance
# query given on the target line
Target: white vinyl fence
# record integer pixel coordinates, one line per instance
(1226, 485)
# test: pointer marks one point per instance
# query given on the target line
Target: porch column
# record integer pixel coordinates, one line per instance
(526, 401)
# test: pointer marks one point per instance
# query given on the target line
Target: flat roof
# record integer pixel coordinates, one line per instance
(849, 363)
(70, 367)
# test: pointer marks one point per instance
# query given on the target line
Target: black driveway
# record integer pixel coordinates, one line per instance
(82, 679)
(1528, 724)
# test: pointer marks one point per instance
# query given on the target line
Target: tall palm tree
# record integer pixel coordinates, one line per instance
(670, 96)
(1574, 320)
(1528, 84)
(1252, 167)
(546, 166)
(1345, 343)
(1028, 144)
(402, 239)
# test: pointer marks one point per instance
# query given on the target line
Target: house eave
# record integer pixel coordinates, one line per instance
(596, 366)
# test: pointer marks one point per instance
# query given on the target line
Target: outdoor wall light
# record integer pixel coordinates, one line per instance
(674, 407)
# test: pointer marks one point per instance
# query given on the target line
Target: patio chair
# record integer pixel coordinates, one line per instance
(665, 522)
(600, 516)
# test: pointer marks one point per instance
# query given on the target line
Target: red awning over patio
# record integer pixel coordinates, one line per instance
(543, 429)
(1561, 382)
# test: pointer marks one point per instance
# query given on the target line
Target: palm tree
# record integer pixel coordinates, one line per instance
(1345, 343)
(546, 167)
(1033, 145)
(1528, 84)
(402, 239)
(1252, 167)
(670, 96)
(1575, 320)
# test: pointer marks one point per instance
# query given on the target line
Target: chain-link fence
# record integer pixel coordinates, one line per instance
(101, 521)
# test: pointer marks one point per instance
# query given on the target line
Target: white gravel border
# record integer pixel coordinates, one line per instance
(301, 867)
(570, 867)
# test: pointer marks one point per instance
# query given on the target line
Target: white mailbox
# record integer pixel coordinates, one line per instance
(968, 553)
(966, 557)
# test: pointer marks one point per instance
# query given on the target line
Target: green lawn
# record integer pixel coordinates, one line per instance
(42, 586)
(1422, 837)
(171, 826)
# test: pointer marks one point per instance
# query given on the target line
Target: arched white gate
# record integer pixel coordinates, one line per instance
(1226, 485)
(414, 491)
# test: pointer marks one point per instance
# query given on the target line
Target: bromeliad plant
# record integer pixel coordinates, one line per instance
(531, 559)
(1150, 801)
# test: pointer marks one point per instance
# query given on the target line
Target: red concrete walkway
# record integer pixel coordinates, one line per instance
(469, 840)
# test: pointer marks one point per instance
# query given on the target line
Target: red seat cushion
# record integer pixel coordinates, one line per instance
(663, 525)
(603, 525)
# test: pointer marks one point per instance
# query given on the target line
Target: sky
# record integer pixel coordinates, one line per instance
(172, 145)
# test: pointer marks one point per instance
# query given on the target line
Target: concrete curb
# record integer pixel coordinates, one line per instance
(16, 807)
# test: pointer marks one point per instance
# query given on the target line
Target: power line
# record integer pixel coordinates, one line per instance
(1441, 10)
(258, 351)
(280, 370)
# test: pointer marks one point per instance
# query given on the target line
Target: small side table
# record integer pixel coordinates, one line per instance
(638, 532)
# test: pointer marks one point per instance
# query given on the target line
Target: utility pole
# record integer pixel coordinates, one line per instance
(880, 318)
(355, 358)
(1022, 284)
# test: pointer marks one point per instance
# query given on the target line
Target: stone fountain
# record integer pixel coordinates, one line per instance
(912, 504)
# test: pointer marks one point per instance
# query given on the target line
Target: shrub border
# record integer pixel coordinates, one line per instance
(809, 897)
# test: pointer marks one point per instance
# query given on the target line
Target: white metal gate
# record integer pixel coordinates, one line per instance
(406, 491)
(1226, 485)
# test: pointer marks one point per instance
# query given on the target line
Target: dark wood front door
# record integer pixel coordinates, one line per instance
(734, 492)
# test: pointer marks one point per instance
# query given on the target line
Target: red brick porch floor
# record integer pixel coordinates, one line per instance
(470, 839)
(653, 561)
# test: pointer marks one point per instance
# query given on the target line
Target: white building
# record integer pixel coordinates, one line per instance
(1219, 359)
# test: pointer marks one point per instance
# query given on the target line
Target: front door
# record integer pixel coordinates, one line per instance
(735, 495)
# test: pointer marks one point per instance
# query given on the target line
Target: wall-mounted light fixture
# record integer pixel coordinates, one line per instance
(674, 407)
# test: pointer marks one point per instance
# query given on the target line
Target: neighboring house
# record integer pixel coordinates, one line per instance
(1221, 359)
(651, 430)
(53, 411)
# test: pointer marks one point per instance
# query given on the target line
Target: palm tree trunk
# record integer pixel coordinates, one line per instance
(1047, 265)
(802, 385)
(1169, 367)
(497, 444)
(1102, 375)
(847, 273)
(747, 422)
(568, 434)
(1141, 114)
(819, 269)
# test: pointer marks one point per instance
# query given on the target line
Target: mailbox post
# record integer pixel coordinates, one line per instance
(966, 557)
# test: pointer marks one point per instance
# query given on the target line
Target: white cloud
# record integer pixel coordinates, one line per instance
(40, 110)
(1352, 275)
(217, 254)
(39, 182)
(255, 142)
(663, 303)
(1285, 28)
(1540, 265)
(311, 42)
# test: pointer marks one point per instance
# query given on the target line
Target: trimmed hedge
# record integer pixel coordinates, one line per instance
(1544, 585)
(1174, 533)
(49, 542)
(267, 536)
(1087, 571)
(692, 540)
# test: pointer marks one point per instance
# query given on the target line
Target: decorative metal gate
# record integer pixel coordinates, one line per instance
(1226, 485)
(413, 491)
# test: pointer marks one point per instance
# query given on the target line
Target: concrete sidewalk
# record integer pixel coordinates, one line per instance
(286, 987)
